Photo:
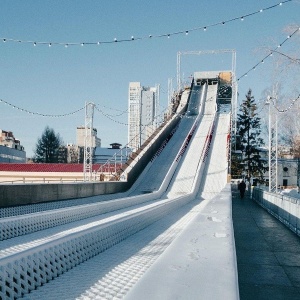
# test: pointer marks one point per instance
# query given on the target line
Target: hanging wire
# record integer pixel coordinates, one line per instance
(109, 116)
(40, 114)
(296, 60)
(270, 54)
(132, 38)
(122, 112)
(115, 109)
(286, 109)
(62, 115)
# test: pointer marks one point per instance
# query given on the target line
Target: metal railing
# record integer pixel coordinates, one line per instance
(285, 208)
(26, 180)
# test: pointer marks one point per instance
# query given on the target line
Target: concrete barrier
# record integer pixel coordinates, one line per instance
(20, 194)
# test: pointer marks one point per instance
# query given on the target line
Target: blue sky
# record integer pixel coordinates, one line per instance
(59, 80)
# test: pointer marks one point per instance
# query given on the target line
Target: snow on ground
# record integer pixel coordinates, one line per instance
(291, 193)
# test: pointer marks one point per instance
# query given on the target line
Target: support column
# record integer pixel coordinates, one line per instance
(88, 142)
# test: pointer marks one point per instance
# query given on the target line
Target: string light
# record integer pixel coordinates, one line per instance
(109, 117)
(270, 54)
(122, 112)
(286, 109)
(40, 114)
(126, 124)
(66, 44)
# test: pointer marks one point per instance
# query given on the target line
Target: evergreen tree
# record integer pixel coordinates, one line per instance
(249, 133)
(48, 147)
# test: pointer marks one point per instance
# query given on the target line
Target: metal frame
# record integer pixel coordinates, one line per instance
(88, 142)
(273, 146)
(234, 83)
(157, 120)
(203, 52)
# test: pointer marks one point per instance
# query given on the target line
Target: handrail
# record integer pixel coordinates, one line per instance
(143, 150)
(58, 180)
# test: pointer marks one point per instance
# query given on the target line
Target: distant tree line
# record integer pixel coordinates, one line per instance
(50, 148)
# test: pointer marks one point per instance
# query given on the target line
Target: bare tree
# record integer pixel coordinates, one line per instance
(285, 89)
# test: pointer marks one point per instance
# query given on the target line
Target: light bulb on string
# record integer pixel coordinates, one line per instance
(132, 38)
(161, 35)
(4, 40)
(50, 44)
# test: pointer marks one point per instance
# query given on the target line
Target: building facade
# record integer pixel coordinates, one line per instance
(143, 103)
(11, 150)
(114, 154)
(80, 137)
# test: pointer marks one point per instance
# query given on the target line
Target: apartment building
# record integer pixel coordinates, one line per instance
(143, 103)
(11, 150)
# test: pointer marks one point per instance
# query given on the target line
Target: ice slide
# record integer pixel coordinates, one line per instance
(33, 259)
(215, 174)
(156, 171)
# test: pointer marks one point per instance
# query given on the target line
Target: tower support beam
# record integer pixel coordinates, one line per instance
(88, 142)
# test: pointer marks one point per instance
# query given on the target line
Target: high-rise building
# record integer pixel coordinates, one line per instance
(143, 103)
(80, 137)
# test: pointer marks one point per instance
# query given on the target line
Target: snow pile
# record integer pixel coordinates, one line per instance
(291, 193)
